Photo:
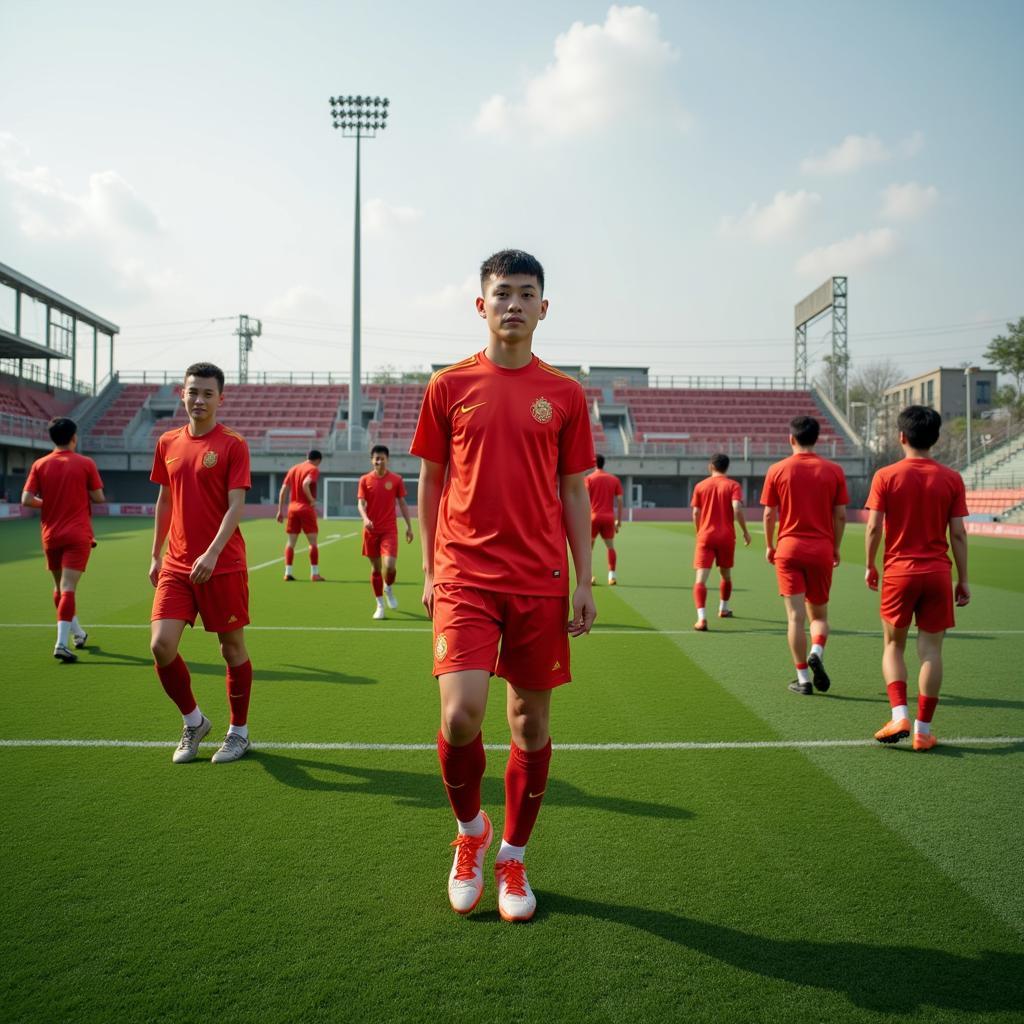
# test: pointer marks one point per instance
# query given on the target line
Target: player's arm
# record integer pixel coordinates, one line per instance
(619, 506)
(737, 514)
(872, 542)
(958, 545)
(30, 500)
(97, 497)
(280, 502)
(771, 518)
(428, 501)
(838, 528)
(161, 525)
(367, 521)
(576, 515)
(307, 490)
(408, 522)
(203, 566)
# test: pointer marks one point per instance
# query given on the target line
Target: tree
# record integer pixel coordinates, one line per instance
(1006, 353)
(870, 382)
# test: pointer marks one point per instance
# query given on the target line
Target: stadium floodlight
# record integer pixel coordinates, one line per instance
(968, 371)
(358, 117)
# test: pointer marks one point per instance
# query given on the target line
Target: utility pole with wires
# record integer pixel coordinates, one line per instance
(248, 328)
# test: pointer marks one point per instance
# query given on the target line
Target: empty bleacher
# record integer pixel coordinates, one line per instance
(994, 501)
(25, 410)
(398, 408)
(124, 408)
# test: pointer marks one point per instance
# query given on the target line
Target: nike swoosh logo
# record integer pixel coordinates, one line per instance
(167, 462)
(537, 796)
(470, 408)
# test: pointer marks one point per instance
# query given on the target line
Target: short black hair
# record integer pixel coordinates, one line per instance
(205, 370)
(508, 262)
(380, 448)
(315, 455)
(600, 462)
(920, 425)
(720, 461)
(805, 430)
(62, 430)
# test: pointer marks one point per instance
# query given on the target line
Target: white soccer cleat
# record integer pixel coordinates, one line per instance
(79, 639)
(378, 612)
(466, 878)
(611, 578)
(389, 596)
(65, 654)
(233, 748)
(516, 901)
(191, 737)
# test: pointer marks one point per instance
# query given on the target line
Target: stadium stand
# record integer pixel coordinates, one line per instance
(25, 410)
(124, 408)
(994, 501)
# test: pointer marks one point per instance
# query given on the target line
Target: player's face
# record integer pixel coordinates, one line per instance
(379, 461)
(512, 306)
(202, 398)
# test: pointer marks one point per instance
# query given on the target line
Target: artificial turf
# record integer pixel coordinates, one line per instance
(832, 883)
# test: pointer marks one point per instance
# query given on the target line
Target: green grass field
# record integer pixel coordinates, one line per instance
(720, 881)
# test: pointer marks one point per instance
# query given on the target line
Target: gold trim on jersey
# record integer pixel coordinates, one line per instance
(554, 370)
(468, 361)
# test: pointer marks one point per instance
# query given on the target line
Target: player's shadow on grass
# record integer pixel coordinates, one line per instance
(952, 750)
(425, 791)
(97, 655)
(295, 674)
(885, 979)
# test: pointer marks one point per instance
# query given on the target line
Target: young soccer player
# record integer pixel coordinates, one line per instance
(505, 442)
(203, 472)
(62, 485)
(605, 491)
(919, 501)
(717, 504)
(378, 491)
(805, 495)
(299, 486)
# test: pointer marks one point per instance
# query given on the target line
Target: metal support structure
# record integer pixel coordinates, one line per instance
(248, 328)
(840, 351)
(832, 295)
(968, 370)
(800, 357)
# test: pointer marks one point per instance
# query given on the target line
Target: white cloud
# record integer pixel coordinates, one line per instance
(600, 75)
(848, 255)
(782, 217)
(452, 297)
(857, 151)
(301, 302)
(379, 215)
(909, 201)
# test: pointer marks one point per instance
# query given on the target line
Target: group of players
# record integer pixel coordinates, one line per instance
(505, 446)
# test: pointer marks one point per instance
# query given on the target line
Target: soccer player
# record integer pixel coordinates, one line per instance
(717, 503)
(378, 491)
(299, 486)
(505, 442)
(203, 472)
(605, 492)
(919, 501)
(805, 495)
(61, 485)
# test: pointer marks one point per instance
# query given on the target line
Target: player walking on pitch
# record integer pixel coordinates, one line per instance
(299, 486)
(505, 441)
(805, 495)
(919, 501)
(378, 491)
(605, 491)
(717, 503)
(62, 485)
(203, 472)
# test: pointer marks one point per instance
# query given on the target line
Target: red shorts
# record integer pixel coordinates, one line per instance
(533, 631)
(222, 602)
(810, 577)
(926, 597)
(376, 545)
(710, 551)
(69, 556)
(302, 520)
(604, 526)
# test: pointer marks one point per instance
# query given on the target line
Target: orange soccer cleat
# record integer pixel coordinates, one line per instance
(466, 879)
(727, 614)
(701, 625)
(924, 741)
(893, 732)
(317, 579)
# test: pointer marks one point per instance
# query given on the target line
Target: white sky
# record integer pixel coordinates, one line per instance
(686, 172)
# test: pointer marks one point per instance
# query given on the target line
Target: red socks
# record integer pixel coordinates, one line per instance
(66, 606)
(897, 691)
(289, 555)
(314, 554)
(177, 684)
(926, 707)
(700, 595)
(613, 557)
(56, 599)
(239, 686)
(526, 778)
(725, 589)
(389, 576)
(819, 640)
(462, 771)
(377, 582)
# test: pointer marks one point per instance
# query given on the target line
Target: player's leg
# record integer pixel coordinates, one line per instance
(700, 588)
(174, 676)
(289, 555)
(894, 672)
(238, 683)
(608, 536)
(818, 616)
(595, 529)
(66, 613)
(389, 564)
(796, 624)
(314, 556)
(929, 682)
(377, 585)
(724, 591)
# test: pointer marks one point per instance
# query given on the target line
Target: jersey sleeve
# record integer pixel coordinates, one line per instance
(361, 493)
(842, 494)
(959, 507)
(576, 441)
(400, 491)
(432, 440)
(737, 493)
(95, 480)
(769, 493)
(618, 487)
(159, 473)
(32, 482)
(313, 476)
(695, 497)
(238, 467)
(876, 496)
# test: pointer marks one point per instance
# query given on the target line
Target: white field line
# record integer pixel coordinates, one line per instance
(975, 741)
(332, 538)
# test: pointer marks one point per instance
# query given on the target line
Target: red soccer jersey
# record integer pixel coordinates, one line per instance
(714, 497)
(199, 472)
(63, 480)
(805, 488)
(380, 494)
(918, 497)
(603, 488)
(506, 437)
(294, 479)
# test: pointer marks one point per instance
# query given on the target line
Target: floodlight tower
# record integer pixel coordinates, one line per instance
(248, 328)
(358, 117)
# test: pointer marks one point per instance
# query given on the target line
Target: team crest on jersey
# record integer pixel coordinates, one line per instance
(542, 411)
(441, 647)
(388, 485)
(210, 459)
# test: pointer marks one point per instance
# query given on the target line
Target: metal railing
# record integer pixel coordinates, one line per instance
(23, 426)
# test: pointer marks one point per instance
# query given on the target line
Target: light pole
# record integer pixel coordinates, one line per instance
(358, 117)
(968, 370)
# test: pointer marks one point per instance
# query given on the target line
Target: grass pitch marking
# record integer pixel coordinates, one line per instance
(332, 538)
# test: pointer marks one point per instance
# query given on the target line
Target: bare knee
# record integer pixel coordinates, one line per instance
(163, 649)
(233, 651)
(460, 723)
